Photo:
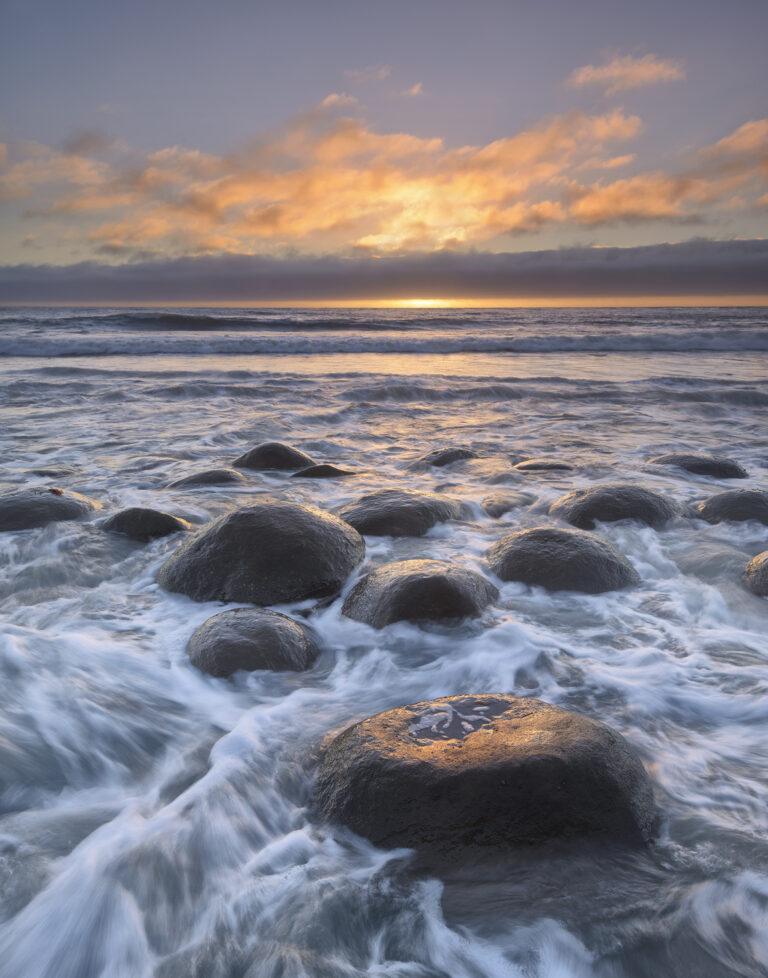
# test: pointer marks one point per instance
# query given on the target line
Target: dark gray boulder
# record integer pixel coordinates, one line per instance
(715, 465)
(418, 590)
(561, 560)
(325, 471)
(400, 512)
(499, 503)
(542, 465)
(211, 477)
(485, 769)
(446, 456)
(609, 503)
(24, 509)
(756, 574)
(735, 504)
(267, 553)
(249, 639)
(145, 524)
(274, 455)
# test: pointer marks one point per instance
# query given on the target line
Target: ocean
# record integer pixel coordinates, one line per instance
(155, 821)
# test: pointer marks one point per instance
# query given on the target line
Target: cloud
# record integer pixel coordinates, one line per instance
(369, 75)
(87, 142)
(622, 73)
(414, 90)
(697, 267)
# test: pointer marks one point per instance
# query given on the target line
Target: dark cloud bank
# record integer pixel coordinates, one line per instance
(692, 268)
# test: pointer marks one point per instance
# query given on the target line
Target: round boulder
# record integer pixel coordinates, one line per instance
(400, 512)
(325, 471)
(542, 465)
(483, 769)
(24, 509)
(735, 504)
(249, 639)
(446, 456)
(211, 477)
(500, 503)
(610, 503)
(274, 455)
(418, 590)
(267, 553)
(561, 560)
(145, 524)
(756, 574)
(715, 465)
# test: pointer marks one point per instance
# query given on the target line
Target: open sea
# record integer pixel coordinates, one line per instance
(155, 821)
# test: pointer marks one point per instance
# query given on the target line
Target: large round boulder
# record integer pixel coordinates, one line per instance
(24, 509)
(249, 639)
(211, 477)
(483, 769)
(267, 553)
(735, 504)
(609, 503)
(418, 590)
(274, 455)
(715, 465)
(144, 525)
(446, 456)
(561, 560)
(756, 574)
(400, 512)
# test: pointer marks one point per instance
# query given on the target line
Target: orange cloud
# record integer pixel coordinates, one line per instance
(622, 73)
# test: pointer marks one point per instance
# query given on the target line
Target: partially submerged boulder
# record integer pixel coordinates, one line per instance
(735, 504)
(542, 465)
(418, 590)
(499, 503)
(249, 639)
(561, 560)
(609, 503)
(446, 456)
(756, 574)
(715, 465)
(269, 552)
(274, 455)
(211, 477)
(400, 512)
(24, 509)
(144, 525)
(324, 471)
(485, 769)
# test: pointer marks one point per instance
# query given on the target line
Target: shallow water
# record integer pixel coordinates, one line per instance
(154, 821)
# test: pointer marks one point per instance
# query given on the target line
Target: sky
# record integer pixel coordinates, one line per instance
(319, 149)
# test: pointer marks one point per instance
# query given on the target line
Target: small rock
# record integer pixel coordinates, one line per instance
(274, 455)
(211, 477)
(500, 503)
(24, 509)
(756, 574)
(400, 512)
(715, 465)
(735, 504)
(542, 465)
(324, 471)
(145, 524)
(609, 503)
(446, 456)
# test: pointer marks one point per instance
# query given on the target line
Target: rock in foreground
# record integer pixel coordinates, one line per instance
(211, 477)
(145, 524)
(418, 590)
(735, 504)
(609, 503)
(716, 465)
(251, 638)
(400, 512)
(24, 509)
(264, 554)
(499, 503)
(756, 574)
(561, 560)
(483, 769)
(274, 455)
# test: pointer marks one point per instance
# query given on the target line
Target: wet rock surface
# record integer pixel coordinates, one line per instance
(324, 471)
(25, 509)
(756, 574)
(609, 503)
(249, 639)
(542, 465)
(211, 477)
(274, 455)
(738, 505)
(561, 560)
(499, 503)
(418, 590)
(270, 552)
(446, 456)
(144, 525)
(490, 770)
(400, 512)
(715, 465)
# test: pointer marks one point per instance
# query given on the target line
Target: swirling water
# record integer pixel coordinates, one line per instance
(156, 822)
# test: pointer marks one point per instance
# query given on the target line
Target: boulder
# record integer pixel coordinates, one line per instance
(445, 456)
(251, 638)
(418, 590)
(485, 769)
(716, 465)
(324, 471)
(542, 465)
(274, 455)
(756, 574)
(211, 477)
(145, 524)
(609, 503)
(24, 509)
(400, 512)
(499, 503)
(561, 560)
(266, 553)
(735, 504)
